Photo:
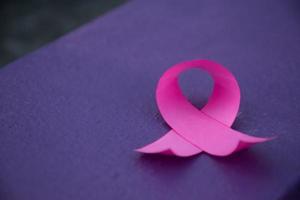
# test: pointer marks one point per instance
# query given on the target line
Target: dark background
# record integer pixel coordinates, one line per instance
(27, 25)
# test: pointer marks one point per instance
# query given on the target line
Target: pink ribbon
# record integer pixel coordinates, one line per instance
(194, 130)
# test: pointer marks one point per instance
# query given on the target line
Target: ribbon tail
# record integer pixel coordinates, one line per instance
(171, 144)
(246, 141)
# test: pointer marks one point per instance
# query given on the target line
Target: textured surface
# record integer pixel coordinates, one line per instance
(72, 112)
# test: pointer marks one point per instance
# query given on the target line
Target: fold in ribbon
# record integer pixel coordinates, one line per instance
(193, 130)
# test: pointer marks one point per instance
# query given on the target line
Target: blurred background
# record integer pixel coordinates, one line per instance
(26, 25)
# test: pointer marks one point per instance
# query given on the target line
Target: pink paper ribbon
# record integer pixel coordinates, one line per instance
(194, 130)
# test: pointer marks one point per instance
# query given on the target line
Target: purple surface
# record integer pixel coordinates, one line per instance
(72, 112)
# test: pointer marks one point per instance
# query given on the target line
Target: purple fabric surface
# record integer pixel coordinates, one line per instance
(72, 112)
